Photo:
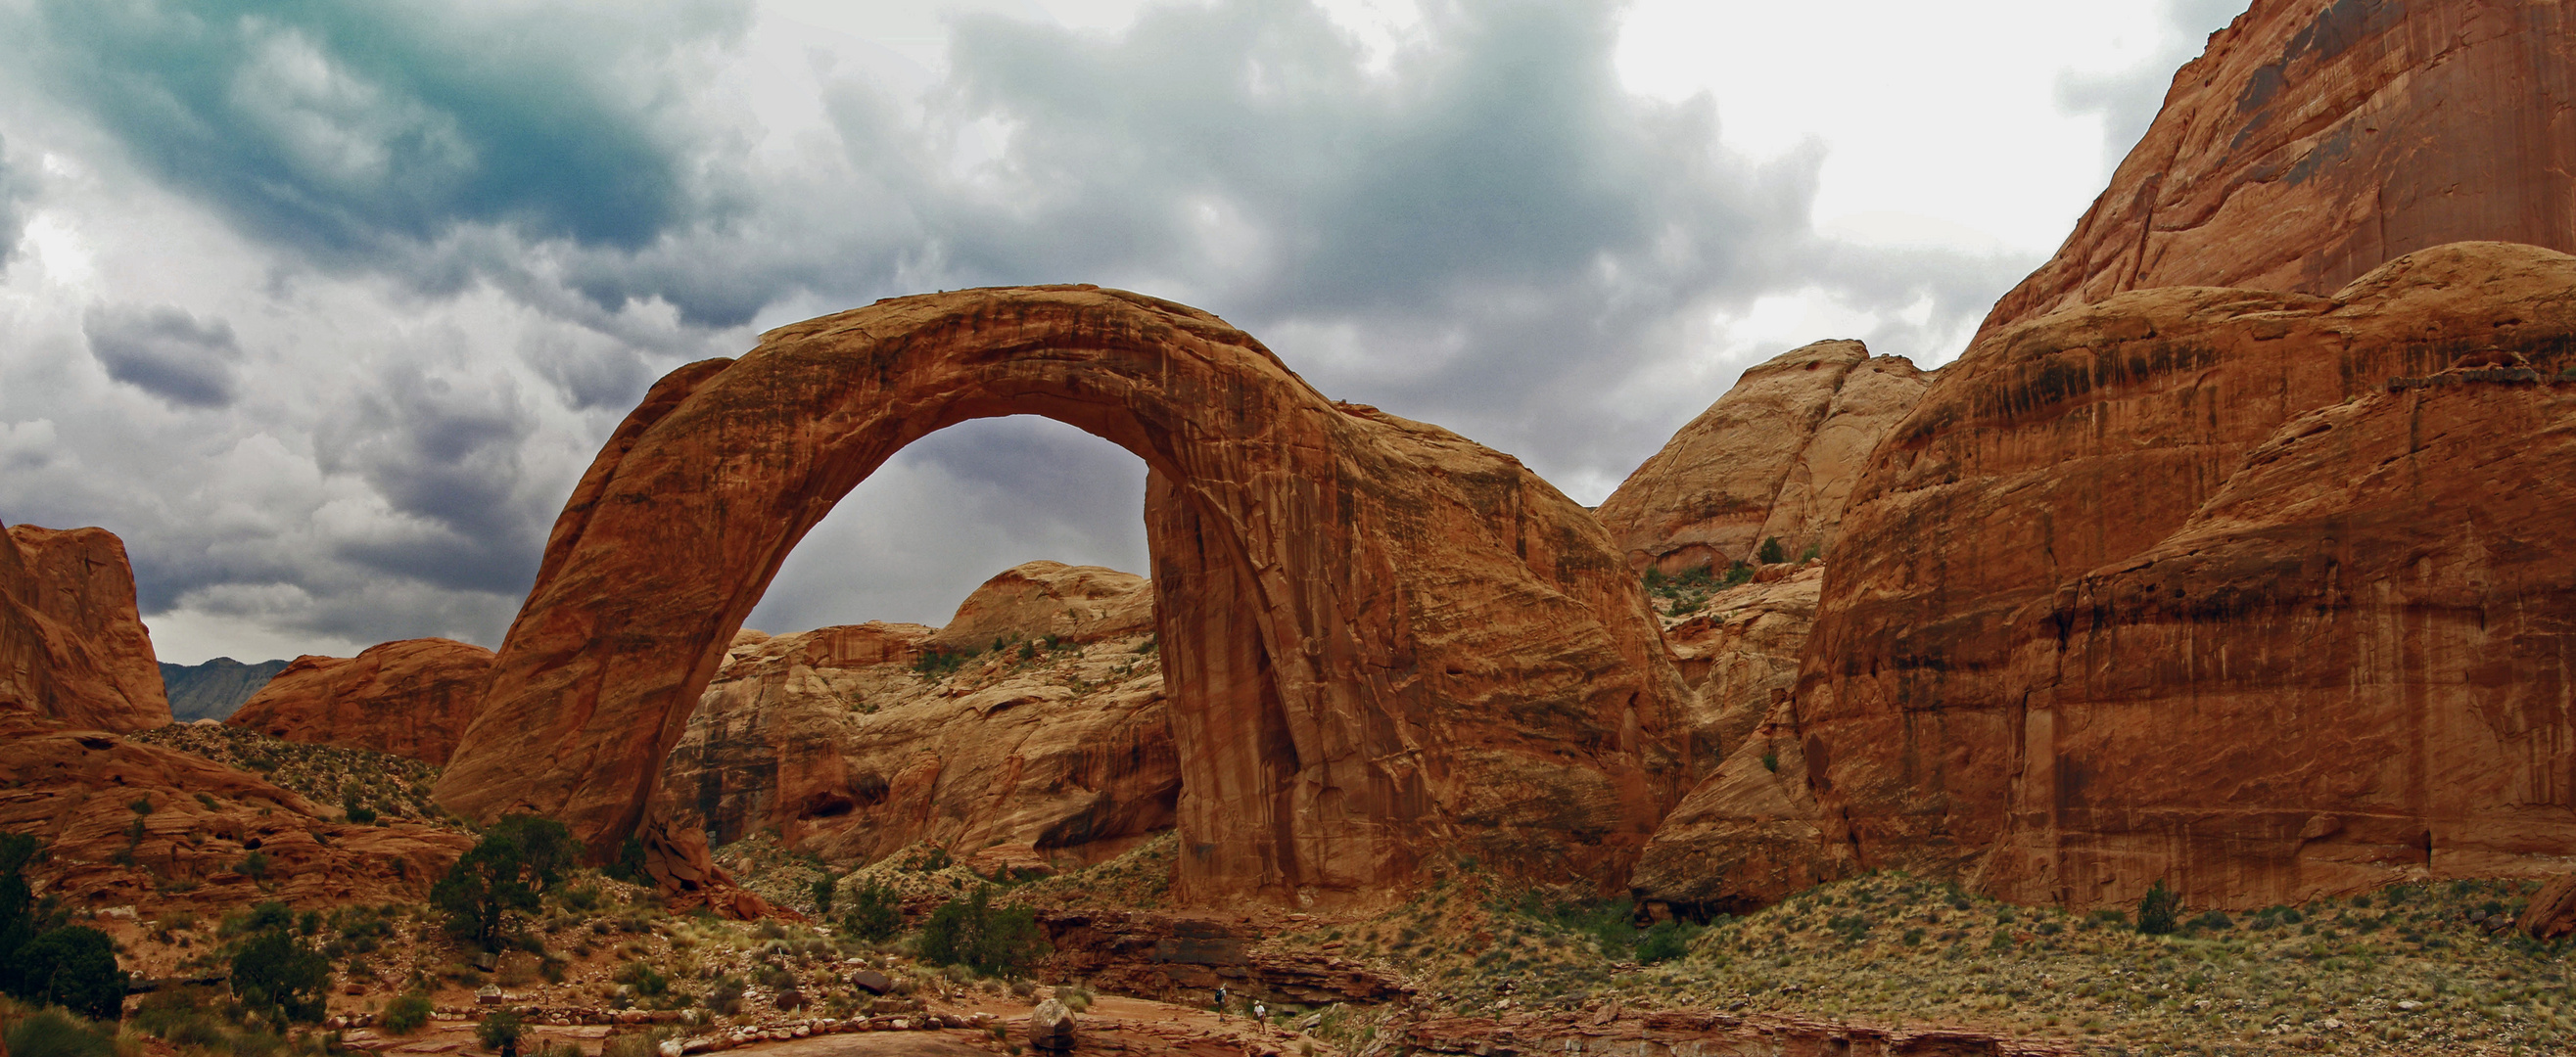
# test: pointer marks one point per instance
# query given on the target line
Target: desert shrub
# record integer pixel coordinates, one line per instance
(726, 996)
(1077, 999)
(2157, 909)
(940, 664)
(644, 979)
(406, 1014)
(499, 1028)
(1770, 552)
(974, 933)
(254, 866)
(822, 889)
(2213, 921)
(54, 1033)
(639, 1044)
(629, 866)
(280, 977)
(1665, 941)
(484, 888)
(184, 1017)
(876, 913)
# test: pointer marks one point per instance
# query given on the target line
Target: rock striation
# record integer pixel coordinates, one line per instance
(73, 647)
(2147, 589)
(1380, 641)
(410, 698)
(214, 689)
(1774, 458)
(2317, 139)
(1036, 756)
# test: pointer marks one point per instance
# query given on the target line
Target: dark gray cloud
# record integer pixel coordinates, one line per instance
(336, 127)
(166, 352)
(480, 231)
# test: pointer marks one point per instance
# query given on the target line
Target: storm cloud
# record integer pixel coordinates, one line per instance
(368, 284)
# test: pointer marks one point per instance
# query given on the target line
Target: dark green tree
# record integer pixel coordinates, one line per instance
(2158, 909)
(546, 847)
(17, 906)
(1771, 552)
(876, 912)
(280, 977)
(483, 889)
(74, 968)
(974, 933)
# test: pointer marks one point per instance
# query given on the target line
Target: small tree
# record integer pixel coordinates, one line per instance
(500, 1028)
(280, 976)
(2156, 912)
(1771, 552)
(546, 847)
(822, 889)
(876, 913)
(483, 889)
(74, 968)
(974, 933)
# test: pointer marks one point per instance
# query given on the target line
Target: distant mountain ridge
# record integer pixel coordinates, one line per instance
(215, 689)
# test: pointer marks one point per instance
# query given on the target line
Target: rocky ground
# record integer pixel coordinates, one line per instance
(392, 787)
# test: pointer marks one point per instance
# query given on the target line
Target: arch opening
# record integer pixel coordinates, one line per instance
(1382, 642)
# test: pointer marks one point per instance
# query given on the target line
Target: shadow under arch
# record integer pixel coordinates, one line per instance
(1382, 641)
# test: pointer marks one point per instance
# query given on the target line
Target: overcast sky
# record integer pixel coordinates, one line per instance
(323, 307)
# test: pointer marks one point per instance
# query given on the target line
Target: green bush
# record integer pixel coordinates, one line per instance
(629, 866)
(1771, 553)
(546, 847)
(940, 664)
(74, 968)
(487, 885)
(2157, 909)
(822, 889)
(876, 913)
(501, 1027)
(1664, 942)
(988, 939)
(279, 976)
(53, 1033)
(406, 1014)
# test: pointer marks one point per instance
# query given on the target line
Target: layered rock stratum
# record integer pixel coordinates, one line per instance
(1774, 458)
(411, 697)
(1380, 642)
(73, 648)
(1049, 747)
(2316, 139)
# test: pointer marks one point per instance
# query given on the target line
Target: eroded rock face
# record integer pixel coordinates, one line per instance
(2317, 139)
(2175, 586)
(409, 698)
(1033, 757)
(1776, 457)
(1043, 599)
(72, 646)
(76, 789)
(1380, 641)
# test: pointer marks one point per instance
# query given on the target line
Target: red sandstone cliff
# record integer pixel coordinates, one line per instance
(409, 698)
(2316, 139)
(2172, 586)
(72, 646)
(1775, 457)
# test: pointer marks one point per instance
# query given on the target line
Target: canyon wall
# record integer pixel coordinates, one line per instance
(72, 646)
(2103, 617)
(2316, 139)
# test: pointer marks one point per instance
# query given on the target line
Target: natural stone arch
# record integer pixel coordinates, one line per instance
(1381, 640)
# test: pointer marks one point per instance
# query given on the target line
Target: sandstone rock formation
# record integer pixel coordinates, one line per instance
(215, 689)
(1775, 457)
(2316, 139)
(2198, 584)
(77, 789)
(1033, 757)
(72, 646)
(1380, 641)
(1043, 599)
(410, 698)
(1748, 833)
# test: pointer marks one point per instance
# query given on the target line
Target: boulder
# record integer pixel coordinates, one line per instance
(72, 646)
(1383, 643)
(2552, 912)
(1774, 458)
(2254, 593)
(1051, 1027)
(2314, 141)
(407, 698)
